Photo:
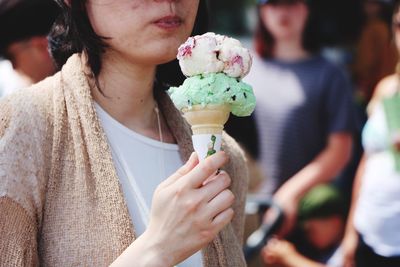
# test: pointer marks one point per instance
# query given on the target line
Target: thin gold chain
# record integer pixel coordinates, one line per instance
(160, 133)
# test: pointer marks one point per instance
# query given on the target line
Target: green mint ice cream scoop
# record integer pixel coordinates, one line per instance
(215, 89)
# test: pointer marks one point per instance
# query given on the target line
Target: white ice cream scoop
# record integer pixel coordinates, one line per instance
(213, 53)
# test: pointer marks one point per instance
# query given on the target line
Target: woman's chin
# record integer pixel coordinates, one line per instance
(166, 61)
(162, 58)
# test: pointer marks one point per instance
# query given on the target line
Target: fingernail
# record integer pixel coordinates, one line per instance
(193, 156)
(191, 159)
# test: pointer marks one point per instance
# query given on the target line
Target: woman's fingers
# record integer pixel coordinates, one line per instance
(221, 202)
(222, 219)
(216, 184)
(204, 170)
(185, 169)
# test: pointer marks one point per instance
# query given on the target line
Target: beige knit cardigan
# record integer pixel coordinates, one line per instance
(61, 203)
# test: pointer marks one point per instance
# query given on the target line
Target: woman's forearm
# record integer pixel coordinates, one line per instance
(323, 168)
(298, 260)
(143, 253)
(355, 194)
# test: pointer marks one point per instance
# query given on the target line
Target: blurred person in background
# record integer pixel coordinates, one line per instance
(304, 112)
(372, 235)
(229, 16)
(322, 219)
(23, 43)
(375, 55)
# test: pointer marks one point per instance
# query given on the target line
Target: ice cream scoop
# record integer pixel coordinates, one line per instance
(214, 89)
(213, 53)
(214, 65)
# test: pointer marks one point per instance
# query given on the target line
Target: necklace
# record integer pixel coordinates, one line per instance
(160, 134)
(144, 209)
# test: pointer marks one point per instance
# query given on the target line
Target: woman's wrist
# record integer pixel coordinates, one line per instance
(350, 233)
(154, 252)
(292, 259)
(290, 192)
(144, 252)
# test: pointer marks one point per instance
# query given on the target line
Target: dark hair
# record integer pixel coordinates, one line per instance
(396, 7)
(73, 33)
(264, 40)
(21, 20)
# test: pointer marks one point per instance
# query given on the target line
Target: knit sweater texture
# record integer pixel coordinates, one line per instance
(61, 203)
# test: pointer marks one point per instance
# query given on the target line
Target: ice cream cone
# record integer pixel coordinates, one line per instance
(214, 66)
(209, 119)
(207, 125)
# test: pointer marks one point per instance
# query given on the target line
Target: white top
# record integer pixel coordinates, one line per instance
(10, 80)
(142, 164)
(377, 215)
(336, 259)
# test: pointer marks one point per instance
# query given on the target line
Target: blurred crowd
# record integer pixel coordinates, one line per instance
(324, 141)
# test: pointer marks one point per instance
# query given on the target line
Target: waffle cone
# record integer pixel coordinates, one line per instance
(208, 119)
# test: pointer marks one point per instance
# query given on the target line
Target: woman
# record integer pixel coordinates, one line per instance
(372, 237)
(304, 112)
(375, 55)
(82, 152)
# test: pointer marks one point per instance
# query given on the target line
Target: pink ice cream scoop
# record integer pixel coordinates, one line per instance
(214, 53)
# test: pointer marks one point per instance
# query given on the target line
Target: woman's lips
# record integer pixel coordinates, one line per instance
(169, 22)
(284, 22)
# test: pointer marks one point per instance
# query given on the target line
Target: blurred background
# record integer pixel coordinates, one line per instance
(355, 36)
(337, 22)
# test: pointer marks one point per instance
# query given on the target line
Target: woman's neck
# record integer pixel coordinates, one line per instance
(289, 50)
(127, 94)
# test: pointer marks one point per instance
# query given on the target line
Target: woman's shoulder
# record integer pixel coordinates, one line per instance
(25, 125)
(386, 87)
(332, 74)
(29, 106)
(328, 64)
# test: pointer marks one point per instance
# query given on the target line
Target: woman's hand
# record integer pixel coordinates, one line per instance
(283, 253)
(188, 210)
(277, 251)
(349, 247)
(288, 202)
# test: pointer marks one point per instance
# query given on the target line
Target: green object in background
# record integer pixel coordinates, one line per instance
(392, 112)
(321, 201)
